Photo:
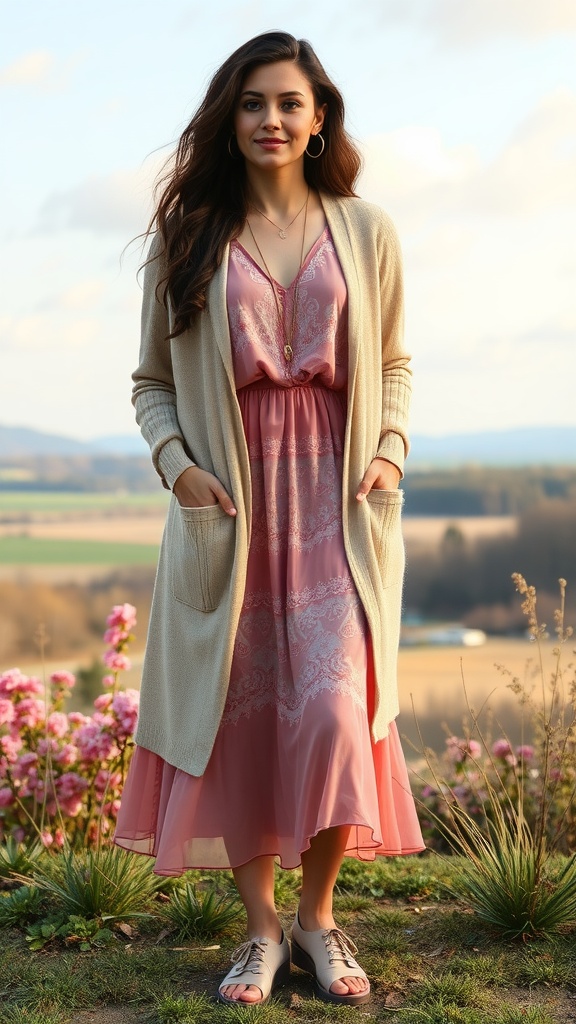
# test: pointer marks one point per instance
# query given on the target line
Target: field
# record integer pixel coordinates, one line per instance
(79, 530)
(58, 538)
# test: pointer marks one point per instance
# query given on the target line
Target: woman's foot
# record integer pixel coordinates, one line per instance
(327, 954)
(260, 966)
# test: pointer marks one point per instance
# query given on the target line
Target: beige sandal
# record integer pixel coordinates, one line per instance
(328, 955)
(260, 962)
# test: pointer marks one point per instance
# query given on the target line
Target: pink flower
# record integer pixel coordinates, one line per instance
(59, 837)
(57, 724)
(474, 749)
(115, 636)
(10, 746)
(24, 763)
(68, 755)
(6, 711)
(106, 781)
(71, 788)
(47, 838)
(108, 682)
(71, 784)
(501, 748)
(125, 707)
(14, 681)
(525, 752)
(116, 661)
(6, 797)
(77, 718)
(29, 713)
(103, 701)
(94, 744)
(122, 615)
(63, 680)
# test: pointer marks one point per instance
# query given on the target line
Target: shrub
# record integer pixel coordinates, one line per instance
(509, 811)
(61, 774)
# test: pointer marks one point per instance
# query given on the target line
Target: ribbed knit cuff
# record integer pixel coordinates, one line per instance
(392, 448)
(173, 460)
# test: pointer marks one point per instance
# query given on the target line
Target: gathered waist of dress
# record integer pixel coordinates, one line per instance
(267, 384)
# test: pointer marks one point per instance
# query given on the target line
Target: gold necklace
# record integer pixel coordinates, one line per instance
(288, 350)
(282, 231)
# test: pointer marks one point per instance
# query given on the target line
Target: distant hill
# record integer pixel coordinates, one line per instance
(522, 446)
(22, 443)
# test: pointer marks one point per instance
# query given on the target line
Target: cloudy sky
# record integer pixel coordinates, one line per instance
(466, 114)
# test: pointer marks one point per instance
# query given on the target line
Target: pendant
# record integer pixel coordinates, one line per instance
(288, 352)
(282, 233)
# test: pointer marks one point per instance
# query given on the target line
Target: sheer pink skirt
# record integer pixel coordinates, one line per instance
(293, 754)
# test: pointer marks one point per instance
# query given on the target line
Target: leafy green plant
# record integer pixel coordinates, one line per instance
(42, 932)
(74, 930)
(107, 883)
(200, 915)
(19, 858)
(21, 906)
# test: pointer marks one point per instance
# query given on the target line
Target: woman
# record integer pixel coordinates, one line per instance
(273, 390)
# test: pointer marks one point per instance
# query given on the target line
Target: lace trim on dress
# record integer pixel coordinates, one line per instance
(267, 648)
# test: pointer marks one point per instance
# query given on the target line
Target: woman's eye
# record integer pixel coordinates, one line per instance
(251, 105)
(291, 104)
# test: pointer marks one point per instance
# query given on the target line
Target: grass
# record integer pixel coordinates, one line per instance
(430, 960)
(41, 551)
(21, 502)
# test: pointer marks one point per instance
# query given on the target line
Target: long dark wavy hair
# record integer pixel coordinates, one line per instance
(202, 199)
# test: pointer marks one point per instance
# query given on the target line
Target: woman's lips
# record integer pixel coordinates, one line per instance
(270, 143)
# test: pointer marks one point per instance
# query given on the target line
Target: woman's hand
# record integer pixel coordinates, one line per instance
(382, 475)
(196, 488)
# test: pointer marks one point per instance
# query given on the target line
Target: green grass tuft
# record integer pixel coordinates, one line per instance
(197, 914)
(106, 883)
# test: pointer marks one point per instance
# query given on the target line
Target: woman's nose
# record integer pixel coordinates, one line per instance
(271, 120)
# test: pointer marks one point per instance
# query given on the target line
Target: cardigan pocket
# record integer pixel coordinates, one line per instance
(202, 556)
(386, 526)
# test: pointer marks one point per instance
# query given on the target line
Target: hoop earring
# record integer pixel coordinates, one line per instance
(315, 156)
(234, 156)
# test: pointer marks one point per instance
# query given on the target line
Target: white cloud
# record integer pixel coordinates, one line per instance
(490, 267)
(535, 172)
(81, 296)
(39, 69)
(118, 203)
(43, 332)
(465, 22)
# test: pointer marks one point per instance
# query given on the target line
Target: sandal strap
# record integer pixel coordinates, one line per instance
(250, 956)
(340, 946)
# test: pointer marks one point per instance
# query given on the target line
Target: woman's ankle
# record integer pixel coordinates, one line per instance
(311, 919)
(265, 925)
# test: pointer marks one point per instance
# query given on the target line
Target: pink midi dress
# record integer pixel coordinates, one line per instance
(293, 754)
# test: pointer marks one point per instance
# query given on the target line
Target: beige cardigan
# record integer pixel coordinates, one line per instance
(188, 412)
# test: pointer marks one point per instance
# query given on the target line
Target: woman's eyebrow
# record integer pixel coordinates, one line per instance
(260, 95)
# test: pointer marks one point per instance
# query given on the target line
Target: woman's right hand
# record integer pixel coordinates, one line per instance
(196, 488)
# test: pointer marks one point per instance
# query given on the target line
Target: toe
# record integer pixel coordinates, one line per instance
(349, 986)
(251, 994)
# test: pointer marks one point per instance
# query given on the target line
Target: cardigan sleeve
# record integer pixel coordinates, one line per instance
(396, 375)
(154, 392)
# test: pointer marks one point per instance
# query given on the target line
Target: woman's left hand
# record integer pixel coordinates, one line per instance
(382, 475)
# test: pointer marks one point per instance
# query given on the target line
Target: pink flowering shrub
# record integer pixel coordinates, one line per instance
(465, 774)
(61, 774)
(497, 784)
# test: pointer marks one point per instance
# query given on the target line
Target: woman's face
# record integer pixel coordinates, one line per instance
(276, 115)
